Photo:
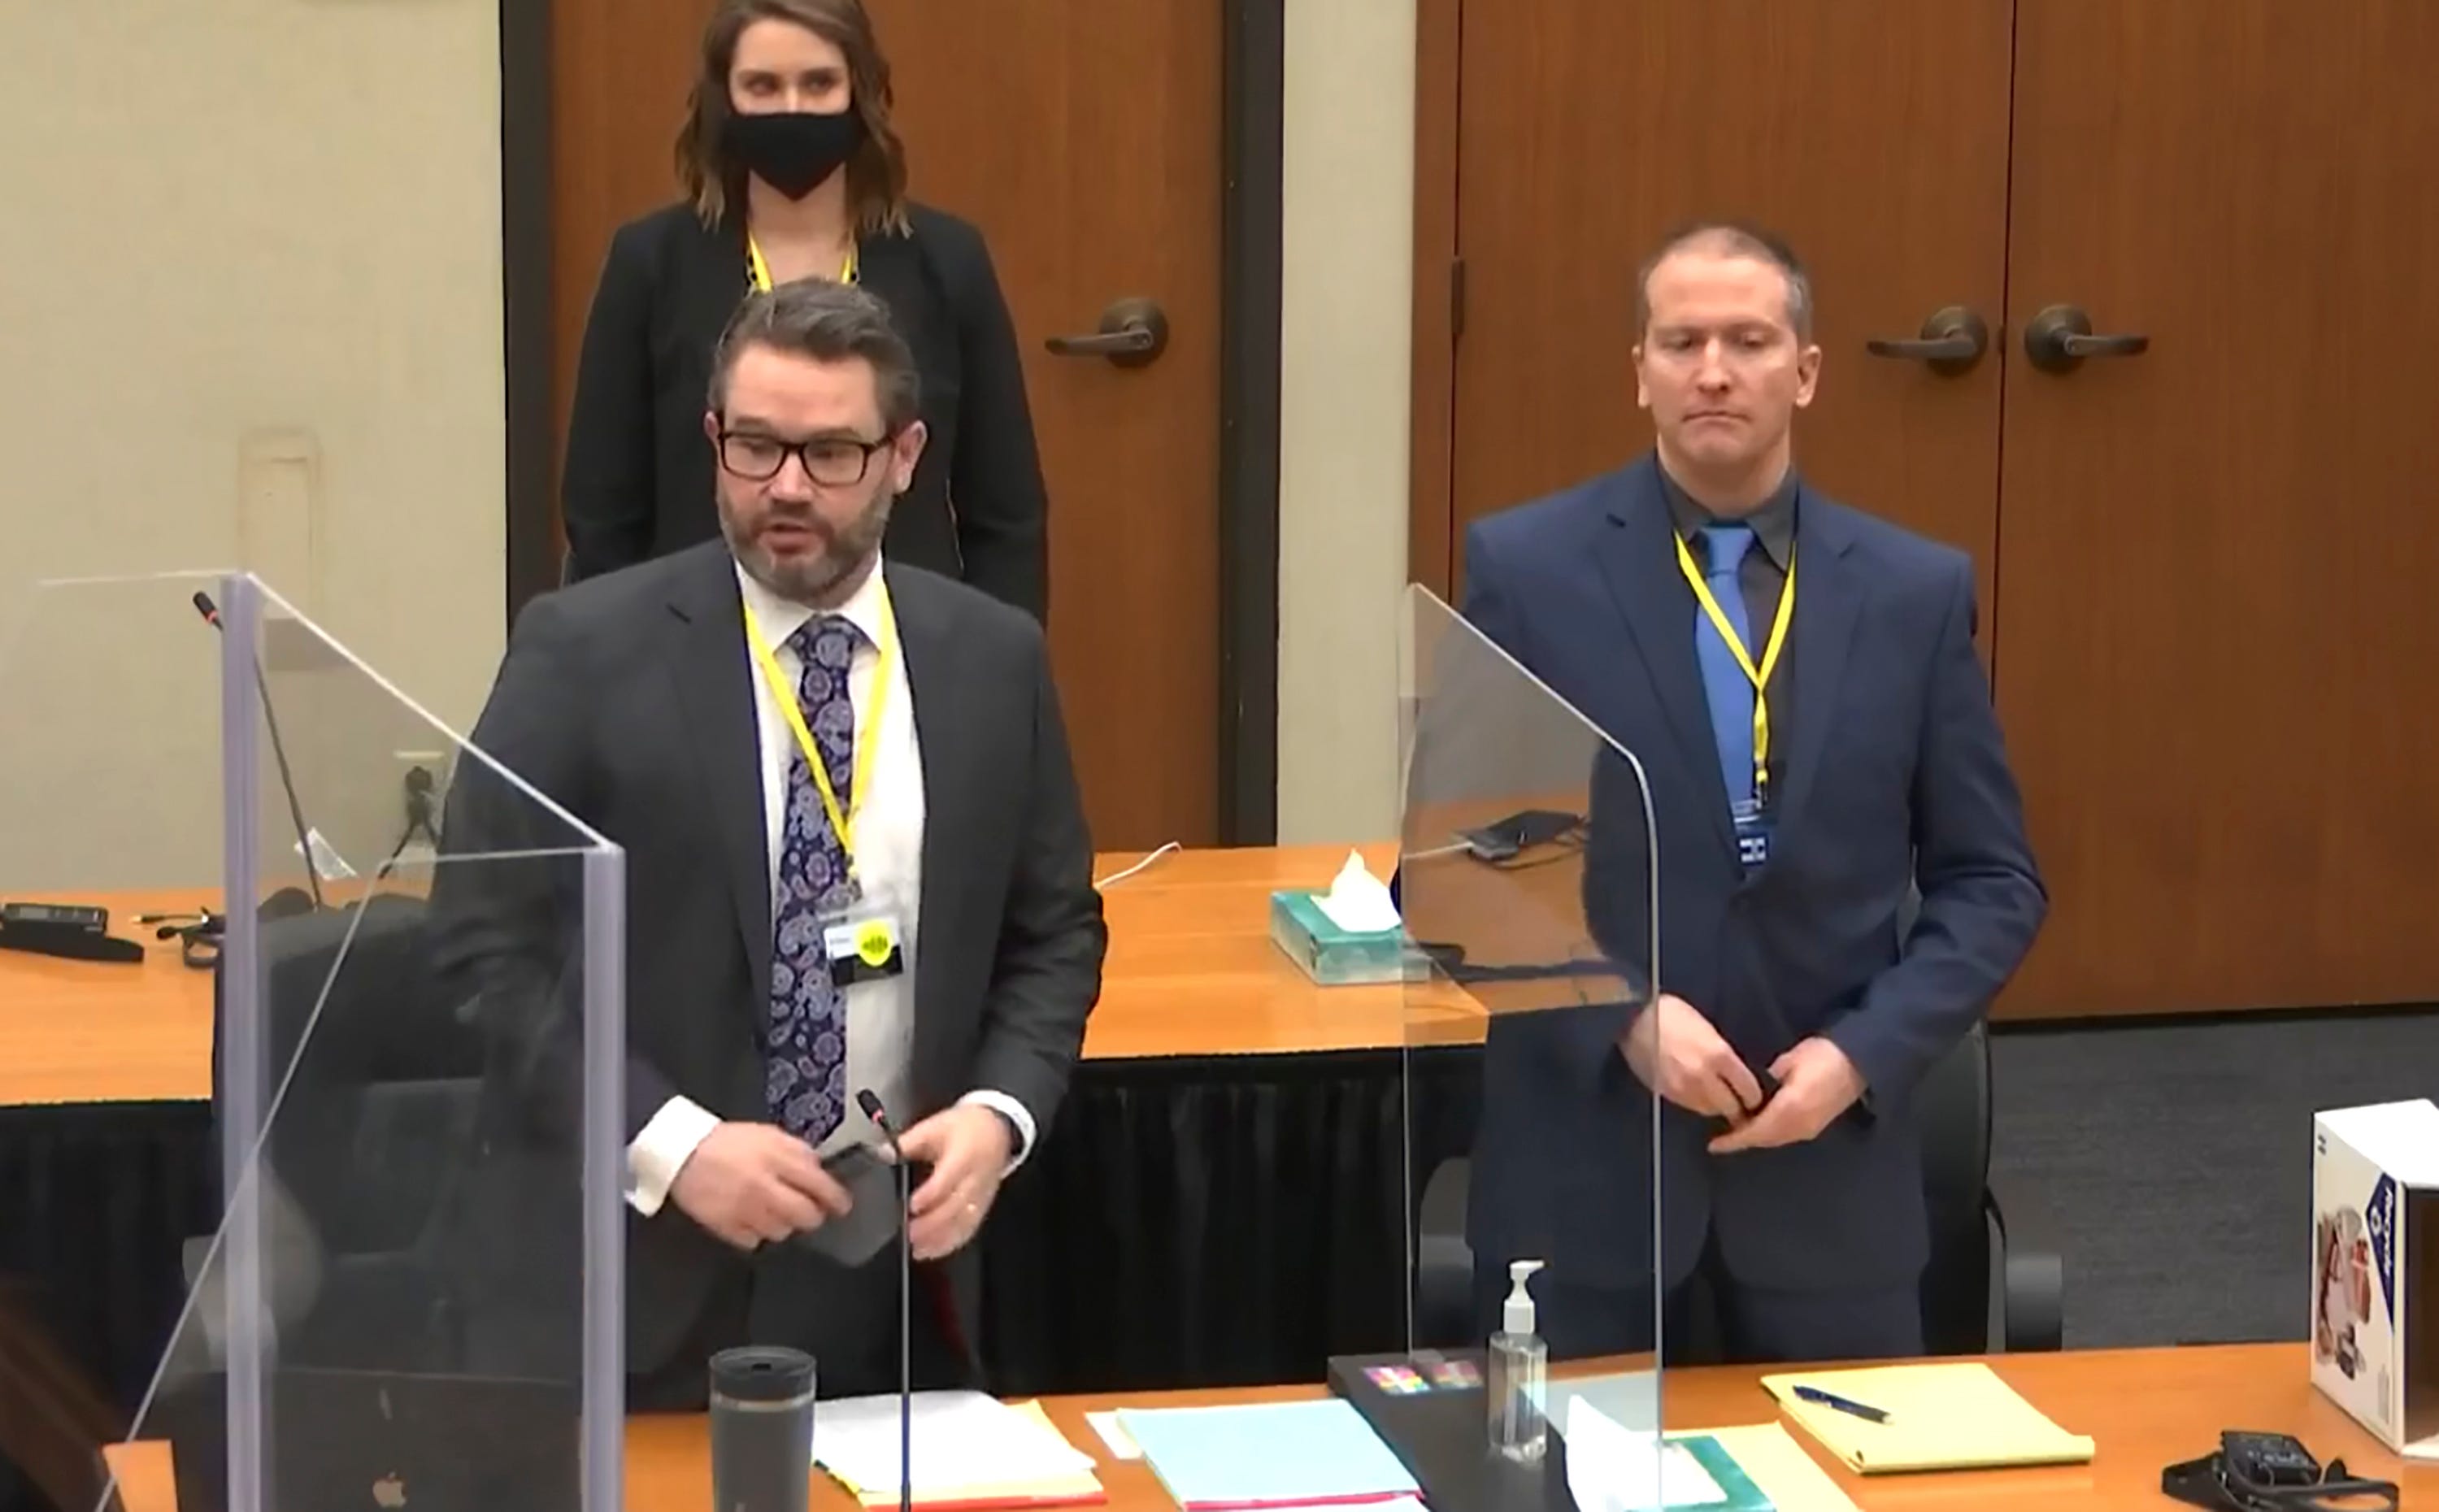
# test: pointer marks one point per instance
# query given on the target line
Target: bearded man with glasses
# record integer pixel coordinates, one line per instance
(857, 875)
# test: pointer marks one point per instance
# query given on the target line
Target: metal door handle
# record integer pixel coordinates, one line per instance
(2060, 337)
(1133, 332)
(1952, 340)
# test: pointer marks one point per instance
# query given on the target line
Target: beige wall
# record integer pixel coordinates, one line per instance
(1346, 345)
(250, 304)
(250, 312)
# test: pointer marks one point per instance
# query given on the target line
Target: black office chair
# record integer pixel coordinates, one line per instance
(1984, 1289)
(378, 1121)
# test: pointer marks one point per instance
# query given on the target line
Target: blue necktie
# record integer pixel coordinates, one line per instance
(807, 1038)
(1724, 683)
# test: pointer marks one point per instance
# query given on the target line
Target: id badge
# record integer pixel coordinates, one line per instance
(1753, 834)
(865, 940)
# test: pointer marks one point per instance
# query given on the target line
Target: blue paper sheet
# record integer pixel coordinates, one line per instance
(1273, 1453)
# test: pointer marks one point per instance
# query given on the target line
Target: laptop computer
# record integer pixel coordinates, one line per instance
(382, 1441)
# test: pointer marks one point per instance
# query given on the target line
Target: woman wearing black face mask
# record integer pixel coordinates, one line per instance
(792, 170)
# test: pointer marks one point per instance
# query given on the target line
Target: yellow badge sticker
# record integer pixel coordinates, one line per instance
(872, 942)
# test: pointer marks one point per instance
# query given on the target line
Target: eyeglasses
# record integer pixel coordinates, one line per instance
(833, 461)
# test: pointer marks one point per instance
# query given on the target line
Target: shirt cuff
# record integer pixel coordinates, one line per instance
(1009, 1109)
(666, 1143)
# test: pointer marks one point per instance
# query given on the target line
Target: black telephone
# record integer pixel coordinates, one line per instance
(1504, 840)
(2269, 1459)
(77, 932)
(2272, 1472)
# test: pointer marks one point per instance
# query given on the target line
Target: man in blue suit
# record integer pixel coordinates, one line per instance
(1798, 680)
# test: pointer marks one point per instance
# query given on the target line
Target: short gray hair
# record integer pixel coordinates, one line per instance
(829, 323)
(1731, 238)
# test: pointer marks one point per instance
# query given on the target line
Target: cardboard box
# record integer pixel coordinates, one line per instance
(2374, 1324)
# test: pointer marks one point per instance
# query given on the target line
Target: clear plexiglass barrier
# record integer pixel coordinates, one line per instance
(396, 972)
(1525, 887)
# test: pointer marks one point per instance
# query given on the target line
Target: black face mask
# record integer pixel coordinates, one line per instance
(795, 152)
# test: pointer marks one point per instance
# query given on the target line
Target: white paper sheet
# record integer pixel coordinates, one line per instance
(960, 1438)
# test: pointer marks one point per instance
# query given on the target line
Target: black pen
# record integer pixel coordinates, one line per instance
(1814, 1394)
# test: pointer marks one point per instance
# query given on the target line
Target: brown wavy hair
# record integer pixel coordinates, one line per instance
(876, 175)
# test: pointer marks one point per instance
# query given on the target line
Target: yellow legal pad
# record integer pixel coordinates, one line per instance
(1941, 1417)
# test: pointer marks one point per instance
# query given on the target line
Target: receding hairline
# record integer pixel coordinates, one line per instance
(767, 344)
(1730, 242)
(828, 324)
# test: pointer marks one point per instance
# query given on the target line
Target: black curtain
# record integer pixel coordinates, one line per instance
(1224, 1221)
(1230, 1221)
(95, 1204)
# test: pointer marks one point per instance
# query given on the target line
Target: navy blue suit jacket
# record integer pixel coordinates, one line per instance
(1895, 778)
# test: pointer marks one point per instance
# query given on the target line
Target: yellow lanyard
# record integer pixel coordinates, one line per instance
(842, 824)
(762, 269)
(1759, 676)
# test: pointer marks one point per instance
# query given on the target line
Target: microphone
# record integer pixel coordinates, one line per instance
(869, 1101)
(204, 606)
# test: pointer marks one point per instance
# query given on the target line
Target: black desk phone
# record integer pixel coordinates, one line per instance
(78, 931)
(2272, 1472)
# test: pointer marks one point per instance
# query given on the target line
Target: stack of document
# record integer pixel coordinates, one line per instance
(1754, 1466)
(1788, 1478)
(969, 1450)
(1614, 1468)
(1944, 1416)
(1273, 1455)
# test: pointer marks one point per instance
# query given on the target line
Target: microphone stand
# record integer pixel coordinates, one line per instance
(870, 1103)
(211, 613)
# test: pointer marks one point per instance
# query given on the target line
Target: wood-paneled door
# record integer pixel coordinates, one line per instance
(2216, 628)
(2202, 565)
(1870, 133)
(1084, 137)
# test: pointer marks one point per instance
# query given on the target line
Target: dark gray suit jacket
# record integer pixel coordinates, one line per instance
(628, 700)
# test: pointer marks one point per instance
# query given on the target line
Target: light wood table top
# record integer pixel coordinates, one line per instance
(2146, 1408)
(1191, 971)
(88, 1032)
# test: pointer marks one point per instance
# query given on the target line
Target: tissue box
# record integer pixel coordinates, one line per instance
(2376, 1269)
(1333, 956)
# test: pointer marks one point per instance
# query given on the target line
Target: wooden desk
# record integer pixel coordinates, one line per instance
(1202, 1083)
(1192, 970)
(1191, 973)
(83, 1032)
(2147, 1408)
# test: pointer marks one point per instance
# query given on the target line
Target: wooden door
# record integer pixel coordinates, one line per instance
(1084, 137)
(2216, 632)
(1871, 134)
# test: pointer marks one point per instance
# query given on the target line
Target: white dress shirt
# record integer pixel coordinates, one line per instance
(887, 825)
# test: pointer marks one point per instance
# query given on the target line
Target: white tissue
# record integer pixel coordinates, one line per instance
(326, 861)
(1614, 1468)
(1358, 901)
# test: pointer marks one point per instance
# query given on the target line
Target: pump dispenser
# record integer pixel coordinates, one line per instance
(1519, 1374)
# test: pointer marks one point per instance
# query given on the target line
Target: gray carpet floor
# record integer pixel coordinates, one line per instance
(2170, 1165)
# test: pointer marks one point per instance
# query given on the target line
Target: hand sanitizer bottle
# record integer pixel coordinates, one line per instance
(1519, 1375)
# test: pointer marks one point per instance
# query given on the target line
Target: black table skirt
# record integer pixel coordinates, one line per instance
(94, 1202)
(1216, 1221)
